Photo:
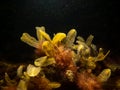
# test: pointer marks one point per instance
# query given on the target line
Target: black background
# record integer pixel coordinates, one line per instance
(97, 17)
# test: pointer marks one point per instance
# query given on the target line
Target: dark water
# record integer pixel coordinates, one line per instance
(97, 17)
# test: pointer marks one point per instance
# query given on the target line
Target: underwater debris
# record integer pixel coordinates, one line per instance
(65, 57)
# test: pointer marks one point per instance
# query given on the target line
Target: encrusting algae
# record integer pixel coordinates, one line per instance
(60, 59)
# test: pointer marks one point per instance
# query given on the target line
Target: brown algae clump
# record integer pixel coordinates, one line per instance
(65, 58)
